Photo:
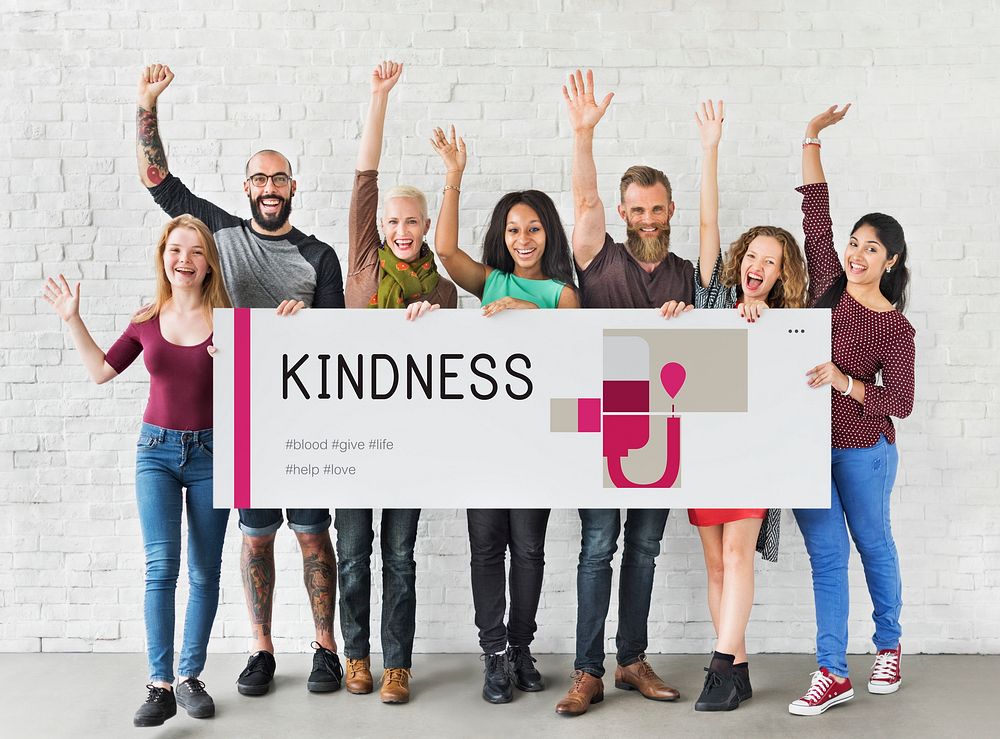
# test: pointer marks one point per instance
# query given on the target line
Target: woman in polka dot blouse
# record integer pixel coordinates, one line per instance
(871, 379)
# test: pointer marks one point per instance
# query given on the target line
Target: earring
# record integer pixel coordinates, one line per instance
(888, 270)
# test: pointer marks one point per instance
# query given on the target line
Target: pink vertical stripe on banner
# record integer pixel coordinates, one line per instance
(241, 408)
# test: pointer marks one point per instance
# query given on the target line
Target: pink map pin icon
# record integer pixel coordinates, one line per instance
(672, 376)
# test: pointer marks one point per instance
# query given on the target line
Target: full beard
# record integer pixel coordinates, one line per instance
(271, 223)
(648, 249)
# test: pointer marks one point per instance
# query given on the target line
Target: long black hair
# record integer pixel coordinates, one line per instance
(557, 264)
(895, 282)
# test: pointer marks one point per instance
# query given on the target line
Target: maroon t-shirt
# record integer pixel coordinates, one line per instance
(180, 377)
(614, 279)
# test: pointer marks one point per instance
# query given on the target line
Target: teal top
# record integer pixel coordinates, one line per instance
(543, 293)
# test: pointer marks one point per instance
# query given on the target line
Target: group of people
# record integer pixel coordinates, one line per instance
(207, 258)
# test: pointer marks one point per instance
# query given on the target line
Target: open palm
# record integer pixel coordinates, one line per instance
(65, 300)
(584, 111)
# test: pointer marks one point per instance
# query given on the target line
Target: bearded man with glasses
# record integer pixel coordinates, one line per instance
(266, 263)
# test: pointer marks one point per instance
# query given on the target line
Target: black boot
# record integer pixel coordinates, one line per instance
(719, 693)
(496, 683)
(522, 666)
(741, 676)
(159, 706)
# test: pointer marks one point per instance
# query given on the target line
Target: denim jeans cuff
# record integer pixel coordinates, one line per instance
(260, 531)
(312, 528)
(597, 671)
(160, 679)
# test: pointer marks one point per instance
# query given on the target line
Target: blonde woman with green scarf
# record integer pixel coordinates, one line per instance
(399, 271)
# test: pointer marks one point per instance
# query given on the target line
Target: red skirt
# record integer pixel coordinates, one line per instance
(717, 516)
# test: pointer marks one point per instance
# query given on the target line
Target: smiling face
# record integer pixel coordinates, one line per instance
(404, 226)
(647, 212)
(761, 267)
(184, 260)
(524, 236)
(270, 204)
(866, 258)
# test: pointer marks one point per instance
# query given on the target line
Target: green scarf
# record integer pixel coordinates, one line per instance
(401, 281)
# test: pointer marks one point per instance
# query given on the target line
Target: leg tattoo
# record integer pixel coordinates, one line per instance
(257, 566)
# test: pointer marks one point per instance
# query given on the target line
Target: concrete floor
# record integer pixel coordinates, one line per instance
(83, 695)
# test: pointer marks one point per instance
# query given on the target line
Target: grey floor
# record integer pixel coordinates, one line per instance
(84, 695)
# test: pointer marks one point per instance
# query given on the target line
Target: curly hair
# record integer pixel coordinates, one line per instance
(790, 289)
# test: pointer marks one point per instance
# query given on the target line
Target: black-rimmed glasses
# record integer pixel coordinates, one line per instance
(260, 179)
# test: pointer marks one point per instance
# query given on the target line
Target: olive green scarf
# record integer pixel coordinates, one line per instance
(403, 282)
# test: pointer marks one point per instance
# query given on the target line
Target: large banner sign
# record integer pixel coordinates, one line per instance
(525, 409)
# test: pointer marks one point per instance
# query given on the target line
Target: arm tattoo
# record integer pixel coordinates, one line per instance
(258, 584)
(320, 574)
(148, 136)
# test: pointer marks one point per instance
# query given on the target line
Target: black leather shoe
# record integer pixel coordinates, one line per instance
(496, 683)
(257, 675)
(719, 693)
(327, 673)
(523, 672)
(192, 697)
(159, 706)
(741, 676)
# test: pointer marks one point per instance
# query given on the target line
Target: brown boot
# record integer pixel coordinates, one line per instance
(585, 690)
(395, 685)
(640, 676)
(358, 679)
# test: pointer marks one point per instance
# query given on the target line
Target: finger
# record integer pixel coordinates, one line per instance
(590, 82)
(697, 119)
(566, 94)
(454, 138)
(689, 309)
(76, 294)
(296, 307)
(170, 74)
(722, 110)
(573, 86)
(461, 145)
(680, 308)
(51, 285)
(704, 112)
(741, 309)
(281, 308)
(711, 109)
(399, 69)
(607, 101)
(65, 285)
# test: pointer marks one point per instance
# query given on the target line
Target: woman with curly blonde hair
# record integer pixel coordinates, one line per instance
(763, 268)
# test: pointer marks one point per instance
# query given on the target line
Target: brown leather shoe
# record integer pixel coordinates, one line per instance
(395, 685)
(585, 691)
(358, 679)
(640, 676)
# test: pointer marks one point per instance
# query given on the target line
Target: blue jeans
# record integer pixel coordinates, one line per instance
(600, 529)
(167, 464)
(399, 582)
(861, 486)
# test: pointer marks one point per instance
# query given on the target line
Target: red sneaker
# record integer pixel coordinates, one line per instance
(824, 692)
(885, 677)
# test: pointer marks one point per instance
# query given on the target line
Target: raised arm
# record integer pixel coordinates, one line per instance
(66, 303)
(150, 154)
(812, 165)
(710, 130)
(384, 78)
(589, 225)
(463, 269)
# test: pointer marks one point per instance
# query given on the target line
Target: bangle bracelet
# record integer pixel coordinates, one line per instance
(807, 141)
(456, 188)
(850, 385)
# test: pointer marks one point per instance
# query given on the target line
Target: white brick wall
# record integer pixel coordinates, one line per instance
(921, 143)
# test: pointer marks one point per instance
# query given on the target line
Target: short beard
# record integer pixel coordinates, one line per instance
(272, 223)
(648, 250)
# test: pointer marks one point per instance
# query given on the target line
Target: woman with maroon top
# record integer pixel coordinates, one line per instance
(871, 338)
(174, 456)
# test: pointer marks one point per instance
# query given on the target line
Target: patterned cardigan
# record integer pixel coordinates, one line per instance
(717, 295)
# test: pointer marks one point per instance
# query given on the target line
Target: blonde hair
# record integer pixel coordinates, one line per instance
(213, 291)
(790, 289)
(408, 191)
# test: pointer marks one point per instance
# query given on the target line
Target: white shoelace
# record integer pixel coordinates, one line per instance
(886, 666)
(820, 684)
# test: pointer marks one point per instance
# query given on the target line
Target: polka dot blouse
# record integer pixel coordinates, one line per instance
(866, 343)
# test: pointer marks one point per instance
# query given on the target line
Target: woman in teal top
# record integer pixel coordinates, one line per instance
(526, 265)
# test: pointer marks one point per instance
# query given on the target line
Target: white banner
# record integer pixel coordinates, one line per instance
(526, 409)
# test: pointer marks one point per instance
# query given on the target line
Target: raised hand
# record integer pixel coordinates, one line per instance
(827, 118)
(154, 80)
(584, 111)
(385, 76)
(710, 124)
(65, 300)
(452, 152)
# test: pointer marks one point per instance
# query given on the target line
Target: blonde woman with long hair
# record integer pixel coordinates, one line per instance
(173, 467)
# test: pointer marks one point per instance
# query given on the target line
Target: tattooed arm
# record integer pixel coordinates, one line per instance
(152, 158)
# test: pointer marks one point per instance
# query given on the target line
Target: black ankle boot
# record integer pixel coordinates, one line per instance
(522, 667)
(741, 676)
(496, 682)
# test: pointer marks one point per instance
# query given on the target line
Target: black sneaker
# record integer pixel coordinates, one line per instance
(159, 706)
(523, 672)
(192, 696)
(496, 683)
(719, 693)
(327, 673)
(257, 675)
(741, 676)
